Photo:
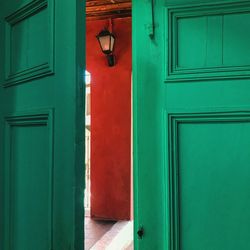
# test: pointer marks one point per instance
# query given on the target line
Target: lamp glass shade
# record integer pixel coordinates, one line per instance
(112, 42)
(106, 41)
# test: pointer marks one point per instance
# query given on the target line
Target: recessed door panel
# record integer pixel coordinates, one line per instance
(209, 182)
(30, 185)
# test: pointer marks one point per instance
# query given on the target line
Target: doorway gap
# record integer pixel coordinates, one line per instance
(104, 233)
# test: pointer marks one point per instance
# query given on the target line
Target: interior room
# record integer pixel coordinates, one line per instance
(108, 140)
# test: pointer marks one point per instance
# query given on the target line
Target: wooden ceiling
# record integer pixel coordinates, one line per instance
(103, 9)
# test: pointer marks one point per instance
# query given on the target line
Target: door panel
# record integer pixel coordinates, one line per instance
(30, 173)
(42, 121)
(192, 103)
(208, 41)
(209, 181)
(29, 44)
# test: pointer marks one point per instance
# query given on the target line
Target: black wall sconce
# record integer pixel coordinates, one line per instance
(107, 41)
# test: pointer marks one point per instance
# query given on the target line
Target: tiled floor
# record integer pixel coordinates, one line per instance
(106, 235)
(94, 230)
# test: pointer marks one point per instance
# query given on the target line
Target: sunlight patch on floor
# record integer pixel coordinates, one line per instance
(119, 237)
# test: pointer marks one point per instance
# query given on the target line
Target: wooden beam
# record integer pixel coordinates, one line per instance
(103, 9)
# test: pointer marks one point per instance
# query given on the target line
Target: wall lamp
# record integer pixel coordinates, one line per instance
(106, 41)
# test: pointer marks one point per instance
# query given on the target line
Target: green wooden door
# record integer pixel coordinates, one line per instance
(42, 121)
(192, 124)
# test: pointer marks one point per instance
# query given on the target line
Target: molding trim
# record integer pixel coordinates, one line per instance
(174, 120)
(27, 119)
(37, 71)
(178, 74)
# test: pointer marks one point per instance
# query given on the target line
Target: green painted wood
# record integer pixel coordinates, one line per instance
(148, 83)
(191, 125)
(41, 128)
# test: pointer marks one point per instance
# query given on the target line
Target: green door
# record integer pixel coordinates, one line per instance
(192, 124)
(42, 121)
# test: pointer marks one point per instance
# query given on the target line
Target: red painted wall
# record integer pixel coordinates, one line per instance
(110, 122)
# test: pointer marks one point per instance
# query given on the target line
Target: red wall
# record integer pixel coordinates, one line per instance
(110, 122)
